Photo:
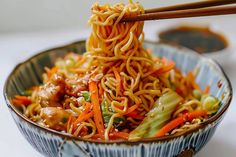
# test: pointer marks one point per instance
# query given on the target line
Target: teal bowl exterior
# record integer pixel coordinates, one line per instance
(56, 144)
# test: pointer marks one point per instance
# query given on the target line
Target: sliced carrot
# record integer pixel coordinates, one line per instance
(168, 65)
(207, 89)
(82, 118)
(52, 71)
(118, 79)
(166, 68)
(122, 135)
(164, 60)
(21, 100)
(170, 126)
(17, 102)
(179, 121)
(96, 136)
(100, 89)
(135, 115)
(132, 108)
(195, 114)
(191, 79)
(87, 107)
(179, 91)
(82, 132)
(84, 115)
(149, 51)
(96, 107)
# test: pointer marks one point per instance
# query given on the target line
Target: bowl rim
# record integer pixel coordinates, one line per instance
(67, 136)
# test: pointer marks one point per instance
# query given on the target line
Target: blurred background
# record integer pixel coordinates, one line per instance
(35, 15)
(29, 26)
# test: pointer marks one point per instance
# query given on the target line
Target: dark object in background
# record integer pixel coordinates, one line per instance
(198, 38)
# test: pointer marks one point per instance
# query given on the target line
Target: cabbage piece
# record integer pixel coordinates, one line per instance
(157, 117)
(210, 103)
(197, 94)
(87, 96)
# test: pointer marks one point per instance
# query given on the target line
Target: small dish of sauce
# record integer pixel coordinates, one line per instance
(198, 38)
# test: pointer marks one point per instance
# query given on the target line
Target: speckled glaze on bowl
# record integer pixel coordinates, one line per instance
(55, 144)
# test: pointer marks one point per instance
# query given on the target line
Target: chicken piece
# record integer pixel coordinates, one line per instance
(76, 84)
(55, 118)
(74, 90)
(51, 92)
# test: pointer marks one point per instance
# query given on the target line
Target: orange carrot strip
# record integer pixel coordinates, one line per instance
(195, 114)
(207, 89)
(86, 117)
(132, 108)
(179, 91)
(83, 116)
(118, 79)
(52, 71)
(192, 80)
(87, 107)
(96, 136)
(180, 120)
(168, 65)
(21, 100)
(96, 107)
(17, 102)
(164, 60)
(100, 89)
(149, 51)
(135, 115)
(170, 126)
(122, 135)
(166, 68)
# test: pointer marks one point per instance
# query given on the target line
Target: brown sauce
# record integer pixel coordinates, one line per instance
(200, 39)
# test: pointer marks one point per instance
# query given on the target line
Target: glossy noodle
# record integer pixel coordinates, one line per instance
(117, 90)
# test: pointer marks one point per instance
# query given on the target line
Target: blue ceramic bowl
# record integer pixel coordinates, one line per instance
(53, 144)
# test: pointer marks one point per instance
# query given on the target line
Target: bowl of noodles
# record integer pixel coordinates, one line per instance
(117, 95)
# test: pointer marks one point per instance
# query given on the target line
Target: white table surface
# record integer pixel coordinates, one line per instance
(16, 47)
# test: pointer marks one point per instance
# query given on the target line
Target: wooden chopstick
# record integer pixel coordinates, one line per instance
(182, 14)
(202, 4)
